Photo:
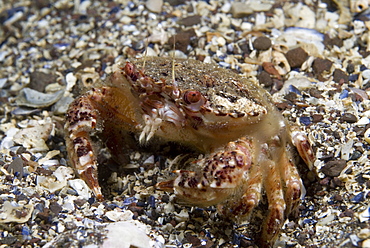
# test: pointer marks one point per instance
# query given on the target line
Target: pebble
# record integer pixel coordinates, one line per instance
(190, 20)
(320, 65)
(348, 117)
(39, 80)
(366, 74)
(334, 168)
(340, 76)
(262, 43)
(154, 5)
(296, 57)
(240, 10)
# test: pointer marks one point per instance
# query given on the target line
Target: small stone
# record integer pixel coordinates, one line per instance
(340, 76)
(55, 207)
(190, 20)
(182, 40)
(39, 80)
(334, 168)
(262, 43)
(366, 74)
(240, 10)
(265, 79)
(317, 118)
(347, 213)
(296, 57)
(350, 68)
(330, 42)
(314, 92)
(320, 65)
(348, 117)
(154, 5)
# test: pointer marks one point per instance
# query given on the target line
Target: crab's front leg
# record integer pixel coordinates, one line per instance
(110, 111)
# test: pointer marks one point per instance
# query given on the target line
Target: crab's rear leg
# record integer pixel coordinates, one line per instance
(97, 110)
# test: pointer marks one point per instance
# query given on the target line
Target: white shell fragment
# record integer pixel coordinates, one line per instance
(367, 135)
(13, 212)
(364, 215)
(34, 137)
(80, 187)
(126, 234)
(115, 215)
(35, 99)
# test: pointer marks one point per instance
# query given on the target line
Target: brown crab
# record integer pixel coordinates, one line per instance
(247, 144)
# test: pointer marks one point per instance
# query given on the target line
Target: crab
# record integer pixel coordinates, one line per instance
(248, 147)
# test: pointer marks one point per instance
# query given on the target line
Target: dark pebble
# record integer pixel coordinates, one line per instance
(353, 78)
(182, 40)
(360, 197)
(334, 168)
(165, 198)
(355, 155)
(305, 120)
(344, 94)
(262, 43)
(79, 202)
(337, 182)
(44, 215)
(338, 197)
(296, 57)
(291, 96)
(265, 79)
(320, 65)
(39, 80)
(348, 117)
(330, 42)
(8, 240)
(317, 118)
(175, 2)
(340, 76)
(55, 207)
(190, 20)
(347, 213)
(16, 167)
(350, 68)
(309, 221)
(314, 92)
(151, 201)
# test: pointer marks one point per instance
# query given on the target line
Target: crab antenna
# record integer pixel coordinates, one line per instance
(173, 61)
(146, 52)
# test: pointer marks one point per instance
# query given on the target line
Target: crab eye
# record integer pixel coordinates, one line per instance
(192, 96)
(130, 71)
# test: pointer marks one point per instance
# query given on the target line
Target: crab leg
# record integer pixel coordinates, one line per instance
(275, 197)
(85, 118)
(293, 183)
(300, 141)
(252, 187)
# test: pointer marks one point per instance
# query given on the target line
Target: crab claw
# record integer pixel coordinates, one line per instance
(215, 177)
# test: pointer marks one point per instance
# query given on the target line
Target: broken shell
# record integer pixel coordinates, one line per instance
(280, 62)
(10, 212)
(35, 99)
(358, 6)
(367, 135)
